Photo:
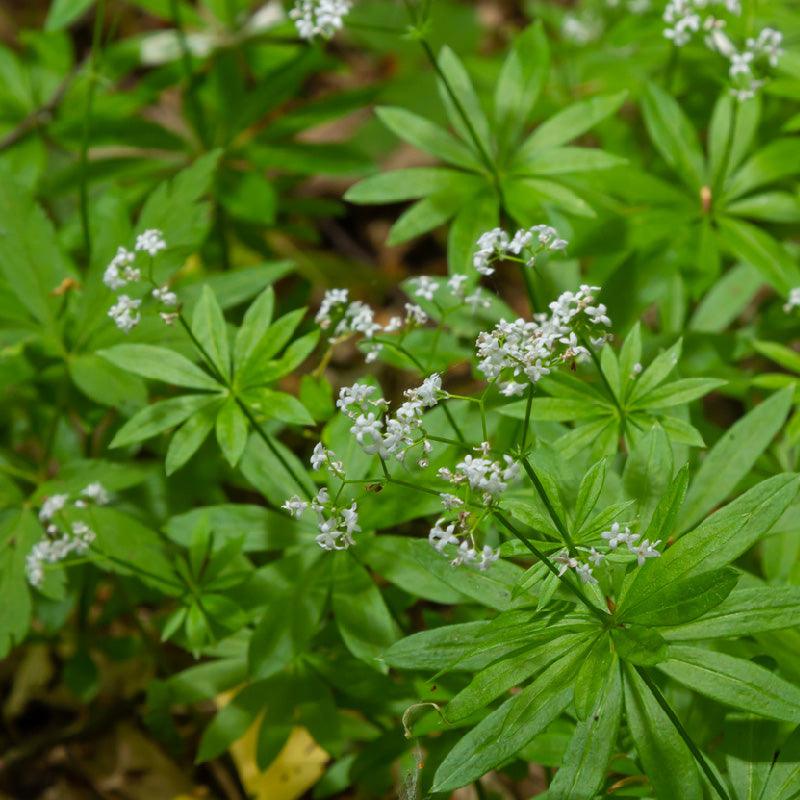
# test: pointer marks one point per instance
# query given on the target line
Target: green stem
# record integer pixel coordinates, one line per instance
(527, 421)
(684, 734)
(557, 521)
(552, 567)
(195, 109)
(530, 287)
(92, 66)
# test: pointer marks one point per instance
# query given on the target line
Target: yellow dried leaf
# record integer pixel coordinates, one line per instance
(298, 766)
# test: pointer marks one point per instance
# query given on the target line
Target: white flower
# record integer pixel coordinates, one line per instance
(426, 287)
(440, 536)
(428, 392)
(495, 245)
(50, 551)
(617, 536)
(322, 457)
(465, 554)
(488, 557)
(121, 270)
(323, 18)
(295, 506)
(165, 296)
(595, 557)
(151, 242)
(125, 313)
(793, 301)
(645, 550)
(455, 283)
(450, 501)
(97, 493)
(566, 561)
(477, 300)
(356, 395)
(52, 505)
(584, 572)
(333, 299)
(415, 314)
(513, 389)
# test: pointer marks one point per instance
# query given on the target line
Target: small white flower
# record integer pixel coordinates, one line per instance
(455, 283)
(52, 505)
(121, 271)
(488, 557)
(295, 506)
(450, 501)
(426, 287)
(323, 18)
(165, 296)
(645, 550)
(428, 392)
(97, 493)
(465, 555)
(125, 313)
(151, 242)
(793, 301)
(584, 572)
(440, 535)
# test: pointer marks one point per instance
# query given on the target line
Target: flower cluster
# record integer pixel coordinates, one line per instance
(531, 349)
(614, 537)
(122, 270)
(526, 244)
(457, 537)
(62, 538)
(336, 524)
(427, 288)
(390, 435)
(323, 18)
(483, 476)
(685, 18)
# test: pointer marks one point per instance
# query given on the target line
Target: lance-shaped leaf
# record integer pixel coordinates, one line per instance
(159, 364)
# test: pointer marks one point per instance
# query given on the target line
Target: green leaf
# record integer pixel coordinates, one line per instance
(732, 457)
(592, 677)
(726, 299)
(571, 123)
(480, 214)
(565, 161)
(231, 431)
(657, 372)
(648, 471)
(363, 620)
(159, 364)
(500, 735)
(638, 645)
(233, 720)
(63, 13)
(744, 611)
(780, 354)
(460, 101)
(581, 775)
(272, 404)
(208, 327)
(749, 750)
(784, 778)
(433, 211)
(780, 159)
(667, 761)
(186, 441)
(19, 532)
(496, 679)
(159, 417)
(589, 493)
(437, 649)
(522, 76)
(683, 601)
(104, 383)
(294, 591)
(402, 184)
(678, 392)
(756, 247)
(734, 682)
(427, 136)
(718, 541)
(256, 319)
(673, 135)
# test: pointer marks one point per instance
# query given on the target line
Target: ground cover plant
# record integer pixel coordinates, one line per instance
(399, 399)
